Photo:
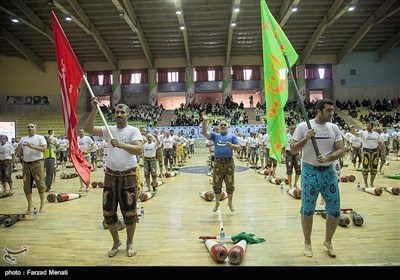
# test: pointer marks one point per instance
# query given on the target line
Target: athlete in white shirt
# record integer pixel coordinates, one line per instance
(120, 182)
(318, 174)
(371, 141)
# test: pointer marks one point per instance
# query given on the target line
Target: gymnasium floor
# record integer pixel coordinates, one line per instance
(71, 233)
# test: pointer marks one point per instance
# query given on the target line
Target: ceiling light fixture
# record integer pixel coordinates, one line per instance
(178, 12)
(295, 9)
(182, 27)
(233, 24)
(50, 2)
(121, 14)
(237, 10)
(15, 19)
(351, 8)
(68, 17)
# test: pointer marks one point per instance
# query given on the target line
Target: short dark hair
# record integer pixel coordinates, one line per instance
(123, 107)
(321, 103)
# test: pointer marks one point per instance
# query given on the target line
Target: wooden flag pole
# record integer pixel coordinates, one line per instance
(301, 105)
(98, 108)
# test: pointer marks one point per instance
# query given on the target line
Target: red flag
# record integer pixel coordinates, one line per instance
(70, 73)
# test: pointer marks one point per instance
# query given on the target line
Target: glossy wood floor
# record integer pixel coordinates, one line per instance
(71, 233)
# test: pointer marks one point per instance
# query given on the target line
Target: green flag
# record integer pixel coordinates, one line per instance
(275, 46)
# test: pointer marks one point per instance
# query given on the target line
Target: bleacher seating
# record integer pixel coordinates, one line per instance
(44, 122)
(356, 121)
(55, 121)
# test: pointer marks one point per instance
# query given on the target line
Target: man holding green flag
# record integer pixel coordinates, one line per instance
(275, 46)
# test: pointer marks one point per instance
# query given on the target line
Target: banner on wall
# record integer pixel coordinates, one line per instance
(27, 100)
(8, 129)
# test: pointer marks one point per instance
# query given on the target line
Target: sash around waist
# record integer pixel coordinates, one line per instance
(129, 172)
(223, 159)
(32, 162)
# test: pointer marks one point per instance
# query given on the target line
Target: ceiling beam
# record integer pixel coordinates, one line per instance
(125, 15)
(134, 24)
(34, 18)
(80, 12)
(235, 4)
(388, 15)
(181, 19)
(388, 46)
(284, 8)
(364, 29)
(74, 19)
(86, 24)
(95, 33)
(34, 27)
(285, 15)
(342, 12)
(23, 49)
(328, 19)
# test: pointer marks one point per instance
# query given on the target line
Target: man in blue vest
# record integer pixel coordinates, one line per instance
(224, 166)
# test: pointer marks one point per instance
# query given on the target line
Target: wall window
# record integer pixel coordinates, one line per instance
(247, 74)
(135, 78)
(101, 79)
(173, 77)
(321, 72)
(96, 78)
(170, 75)
(208, 73)
(211, 75)
(318, 71)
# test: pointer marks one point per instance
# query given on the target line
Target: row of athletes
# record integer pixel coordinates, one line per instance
(356, 146)
(385, 137)
(126, 143)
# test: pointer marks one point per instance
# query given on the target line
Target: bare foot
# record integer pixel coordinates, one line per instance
(130, 252)
(29, 210)
(215, 207)
(331, 251)
(308, 251)
(114, 249)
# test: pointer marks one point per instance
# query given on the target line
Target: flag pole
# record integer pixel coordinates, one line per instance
(98, 107)
(301, 105)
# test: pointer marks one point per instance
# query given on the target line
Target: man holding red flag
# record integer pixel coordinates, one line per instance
(120, 182)
(70, 73)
